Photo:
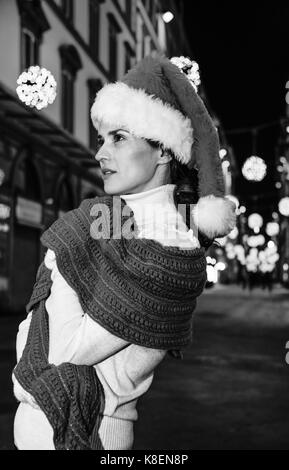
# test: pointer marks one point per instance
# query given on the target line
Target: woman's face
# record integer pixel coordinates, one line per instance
(133, 161)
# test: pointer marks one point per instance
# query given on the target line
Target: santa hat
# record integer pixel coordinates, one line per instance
(156, 100)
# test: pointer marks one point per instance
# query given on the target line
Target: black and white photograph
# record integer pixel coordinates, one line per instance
(144, 227)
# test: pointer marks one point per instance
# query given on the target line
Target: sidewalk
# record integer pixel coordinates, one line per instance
(230, 392)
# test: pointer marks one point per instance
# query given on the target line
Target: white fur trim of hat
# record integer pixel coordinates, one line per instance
(145, 116)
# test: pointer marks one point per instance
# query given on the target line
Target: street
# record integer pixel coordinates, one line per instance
(230, 392)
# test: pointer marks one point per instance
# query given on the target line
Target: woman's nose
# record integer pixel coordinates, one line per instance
(101, 156)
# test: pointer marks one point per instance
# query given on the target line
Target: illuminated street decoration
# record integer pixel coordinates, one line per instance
(4, 212)
(223, 153)
(284, 167)
(36, 87)
(284, 206)
(255, 221)
(220, 266)
(168, 16)
(190, 68)
(240, 253)
(272, 229)
(254, 169)
(255, 241)
(268, 259)
(5, 228)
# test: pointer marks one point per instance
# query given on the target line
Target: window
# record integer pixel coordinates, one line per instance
(70, 64)
(67, 105)
(128, 55)
(67, 7)
(128, 10)
(33, 26)
(29, 49)
(113, 30)
(94, 24)
(93, 87)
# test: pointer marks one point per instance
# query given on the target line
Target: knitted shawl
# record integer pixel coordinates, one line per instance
(136, 288)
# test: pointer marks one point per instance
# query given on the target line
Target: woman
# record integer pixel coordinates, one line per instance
(107, 306)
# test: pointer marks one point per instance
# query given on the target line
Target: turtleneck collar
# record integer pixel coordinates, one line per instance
(155, 211)
(161, 195)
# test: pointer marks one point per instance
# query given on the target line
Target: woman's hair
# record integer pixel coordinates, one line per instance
(186, 180)
(186, 192)
(187, 187)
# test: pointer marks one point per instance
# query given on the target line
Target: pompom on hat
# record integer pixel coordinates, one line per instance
(156, 100)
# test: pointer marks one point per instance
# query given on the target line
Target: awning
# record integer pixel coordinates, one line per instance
(32, 127)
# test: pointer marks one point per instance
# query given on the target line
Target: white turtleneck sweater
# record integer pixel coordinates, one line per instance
(125, 370)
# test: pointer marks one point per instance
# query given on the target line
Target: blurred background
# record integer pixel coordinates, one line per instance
(234, 379)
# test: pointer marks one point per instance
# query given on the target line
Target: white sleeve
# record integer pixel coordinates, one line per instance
(20, 394)
(74, 336)
(22, 335)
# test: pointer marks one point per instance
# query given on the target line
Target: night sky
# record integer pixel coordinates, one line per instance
(243, 53)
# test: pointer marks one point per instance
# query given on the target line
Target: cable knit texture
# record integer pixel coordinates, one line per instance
(136, 288)
(71, 396)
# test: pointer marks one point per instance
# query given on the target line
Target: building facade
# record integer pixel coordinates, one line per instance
(46, 158)
(47, 163)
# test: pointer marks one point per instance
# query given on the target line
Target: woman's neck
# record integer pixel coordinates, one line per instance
(154, 210)
(163, 194)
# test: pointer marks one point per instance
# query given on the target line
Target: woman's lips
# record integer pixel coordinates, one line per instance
(107, 175)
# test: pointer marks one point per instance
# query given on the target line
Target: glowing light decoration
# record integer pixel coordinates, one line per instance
(255, 221)
(168, 16)
(272, 229)
(5, 212)
(190, 68)
(255, 241)
(284, 206)
(36, 87)
(254, 169)
(212, 274)
(272, 246)
(220, 266)
(223, 153)
(240, 252)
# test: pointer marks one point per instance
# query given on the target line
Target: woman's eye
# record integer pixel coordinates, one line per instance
(100, 142)
(118, 137)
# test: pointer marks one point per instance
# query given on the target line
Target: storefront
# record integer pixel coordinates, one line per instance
(45, 172)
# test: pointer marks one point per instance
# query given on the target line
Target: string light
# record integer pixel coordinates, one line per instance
(36, 87)
(255, 221)
(254, 169)
(168, 16)
(272, 229)
(223, 153)
(284, 206)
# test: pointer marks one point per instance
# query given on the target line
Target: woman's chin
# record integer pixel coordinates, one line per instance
(111, 189)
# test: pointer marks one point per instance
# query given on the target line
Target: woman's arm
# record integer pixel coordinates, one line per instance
(22, 335)
(74, 336)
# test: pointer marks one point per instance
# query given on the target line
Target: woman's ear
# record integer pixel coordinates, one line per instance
(164, 157)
